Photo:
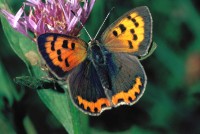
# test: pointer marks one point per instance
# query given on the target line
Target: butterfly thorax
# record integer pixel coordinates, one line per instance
(96, 53)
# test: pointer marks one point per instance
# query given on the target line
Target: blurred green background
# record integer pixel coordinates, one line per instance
(171, 102)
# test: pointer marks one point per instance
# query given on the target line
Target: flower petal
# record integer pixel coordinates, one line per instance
(75, 20)
(50, 16)
(17, 16)
(34, 2)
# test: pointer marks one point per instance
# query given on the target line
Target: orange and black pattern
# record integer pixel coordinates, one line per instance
(61, 52)
(106, 74)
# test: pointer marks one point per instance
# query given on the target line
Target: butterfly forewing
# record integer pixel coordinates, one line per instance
(130, 33)
(61, 52)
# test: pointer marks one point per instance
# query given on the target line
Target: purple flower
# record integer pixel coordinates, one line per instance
(51, 16)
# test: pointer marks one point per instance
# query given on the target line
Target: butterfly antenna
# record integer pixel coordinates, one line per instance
(103, 22)
(82, 25)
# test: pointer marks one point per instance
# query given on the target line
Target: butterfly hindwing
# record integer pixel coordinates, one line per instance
(86, 90)
(130, 33)
(128, 78)
(61, 52)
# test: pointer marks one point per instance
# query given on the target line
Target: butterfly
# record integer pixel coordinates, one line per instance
(102, 74)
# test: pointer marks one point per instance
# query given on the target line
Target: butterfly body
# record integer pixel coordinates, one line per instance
(98, 57)
(106, 74)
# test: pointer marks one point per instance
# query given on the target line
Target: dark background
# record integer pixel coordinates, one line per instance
(171, 102)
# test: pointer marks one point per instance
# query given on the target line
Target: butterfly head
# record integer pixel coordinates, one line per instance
(95, 52)
(93, 42)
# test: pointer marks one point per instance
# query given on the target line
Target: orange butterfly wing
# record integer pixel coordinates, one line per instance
(61, 52)
(130, 33)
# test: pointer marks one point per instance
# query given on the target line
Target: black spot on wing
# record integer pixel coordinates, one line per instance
(103, 105)
(132, 31)
(122, 28)
(120, 100)
(95, 110)
(135, 37)
(136, 24)
(115, 33)
(129, 17)
(73, 46)
(59, 58)
(52, 45)
(67, 63)
(130, 99)
(130, 44)
(81, 105)
(58, 52)
(65, 44)
(88, 109)
(133, 20)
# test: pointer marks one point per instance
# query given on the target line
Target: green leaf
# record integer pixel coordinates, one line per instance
(8, 91)
(30, 129)
(60, 104)
(19, 43)
(7, 88)
(6, 126)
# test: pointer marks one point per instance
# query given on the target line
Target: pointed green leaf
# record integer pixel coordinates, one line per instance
(60, 104)
(6, 126)
(7, 88)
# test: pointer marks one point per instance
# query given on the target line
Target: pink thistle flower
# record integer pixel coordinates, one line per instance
(51, 16)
